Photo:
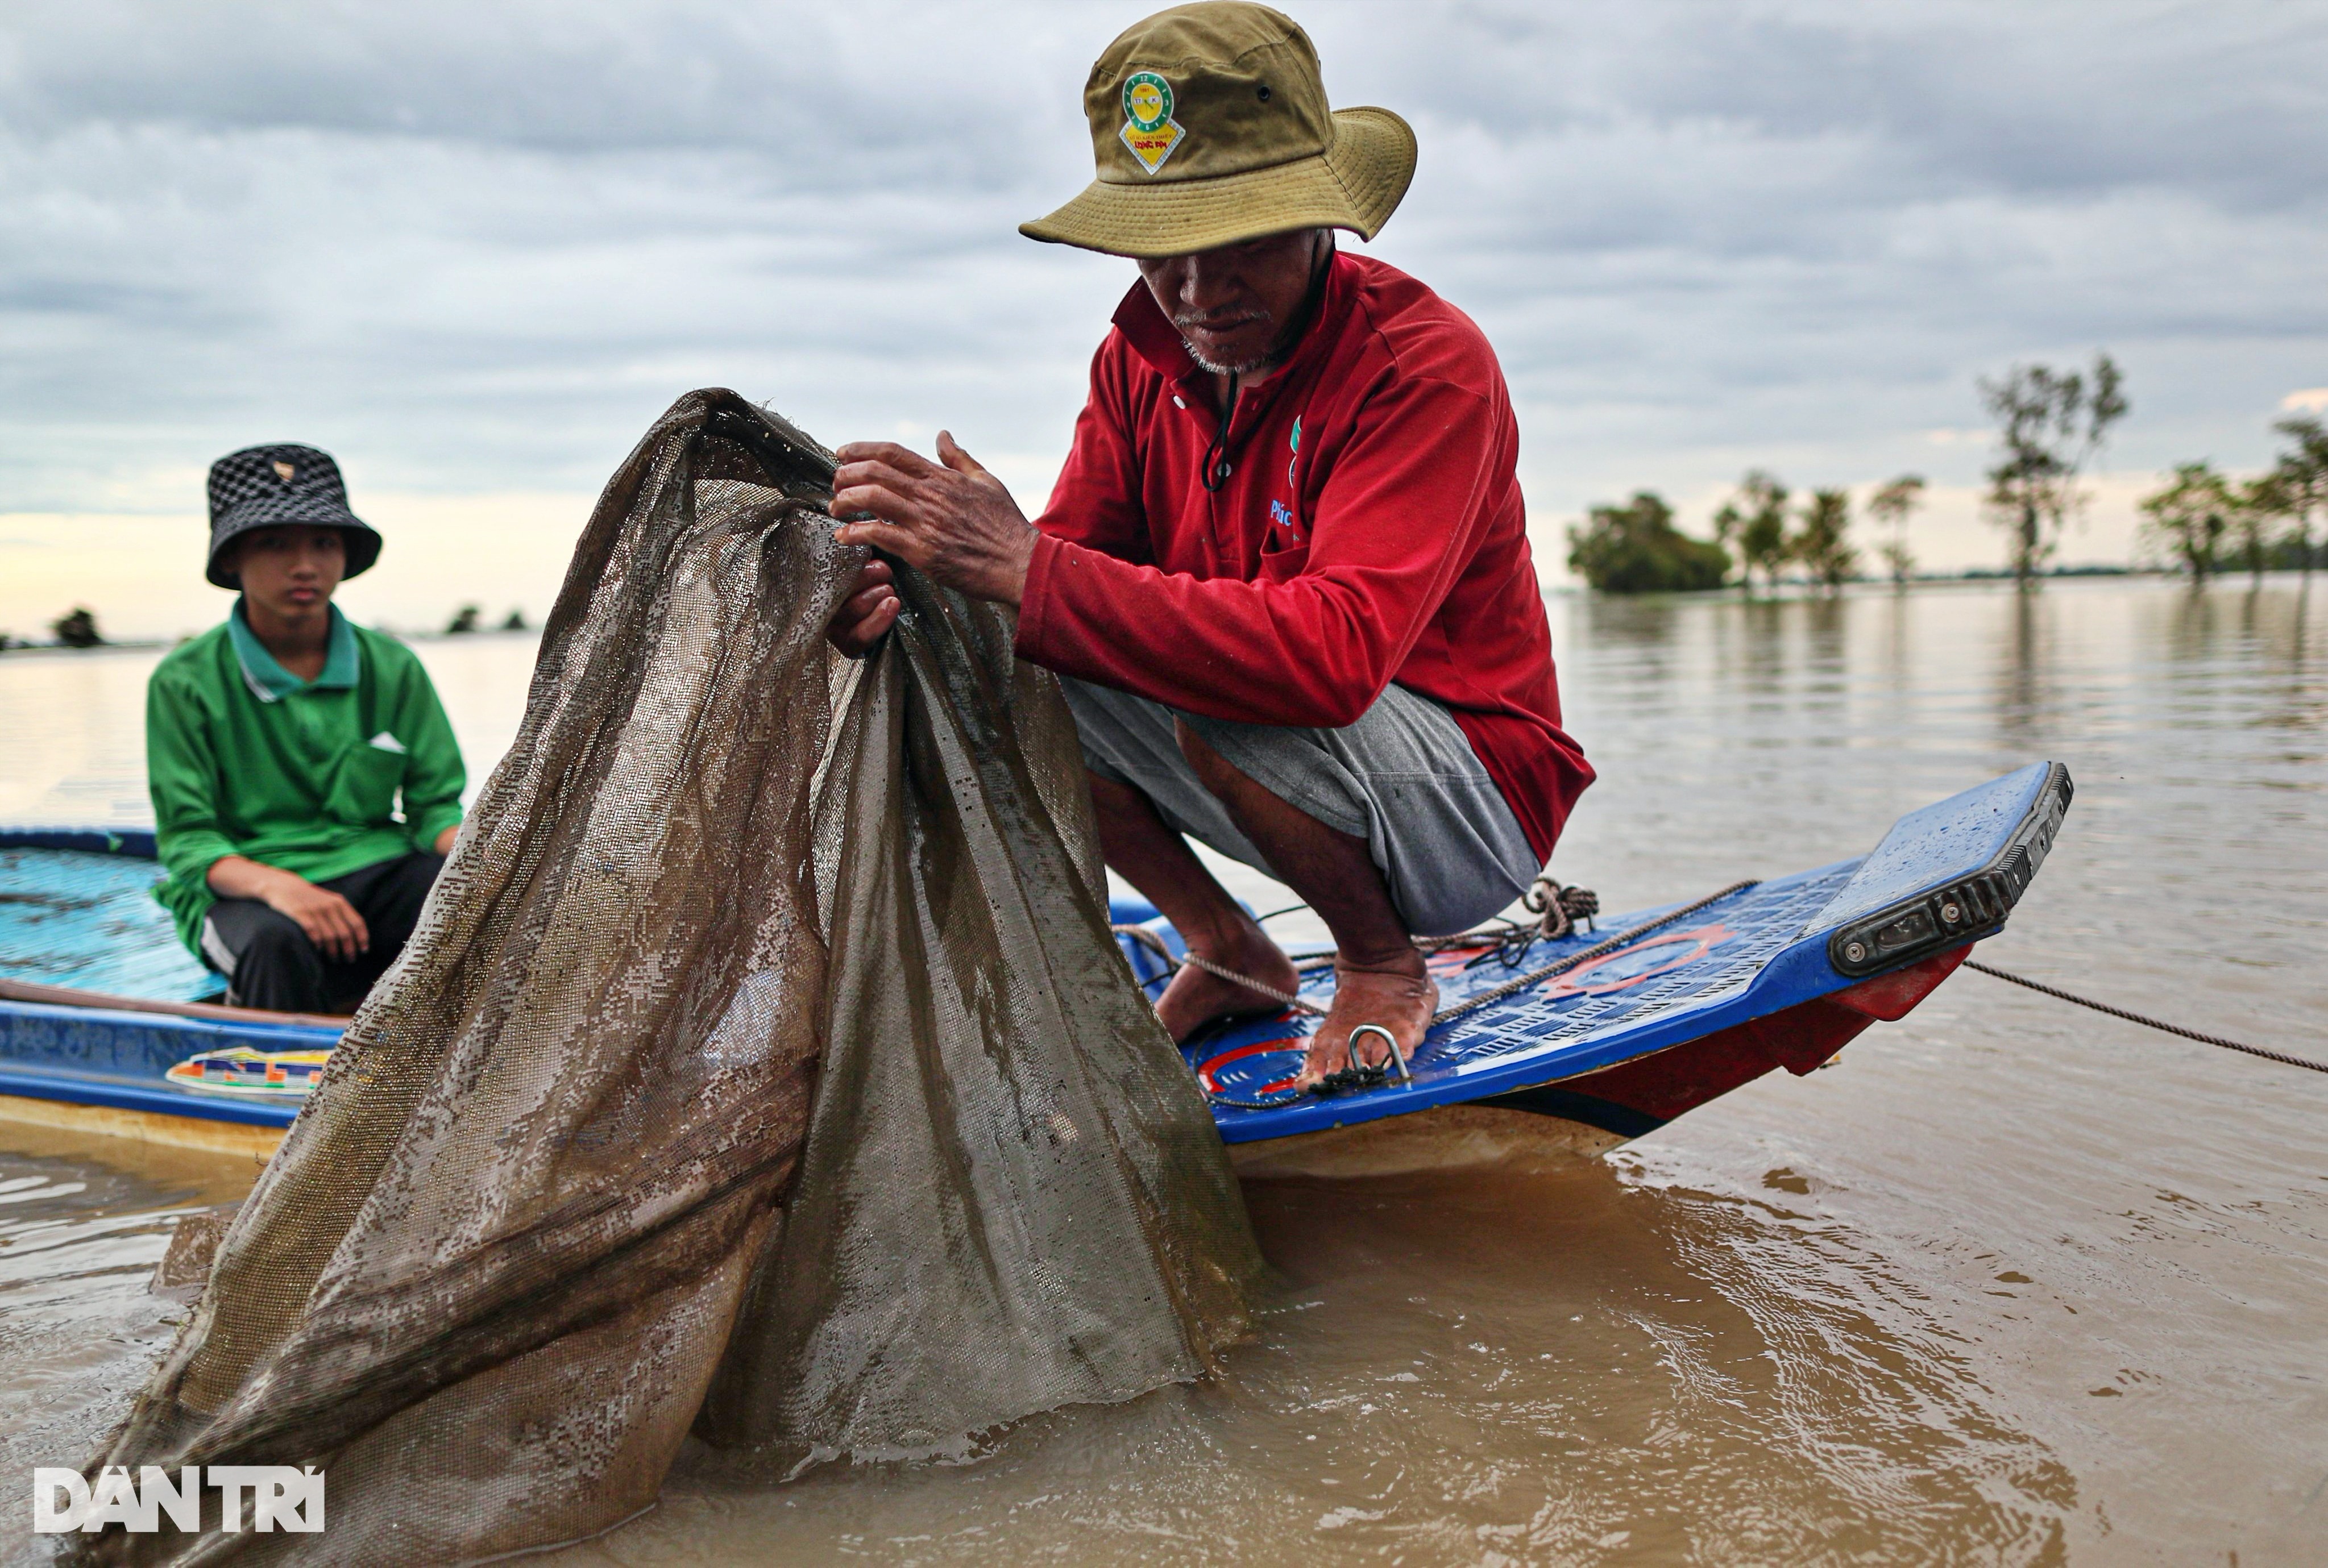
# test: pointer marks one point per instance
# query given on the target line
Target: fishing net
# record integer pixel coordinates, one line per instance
(762, 1067)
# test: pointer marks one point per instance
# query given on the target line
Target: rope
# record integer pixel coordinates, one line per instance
(1217, 455)
(1172, 964)
(1597, 950)
(1555, 897)
(1561, 906)
(1249, 984)
(2302, 1061)
(1155, 945)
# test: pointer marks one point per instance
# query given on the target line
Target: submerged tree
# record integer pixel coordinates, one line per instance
(2302, 477)
(1755, 520)
(1822, 547)
(2188, 515)
(1636, 549)
(465, 621)
(2050, 424)
(77, 627)
(2255, 505)
(514, 621)
(1891, 506)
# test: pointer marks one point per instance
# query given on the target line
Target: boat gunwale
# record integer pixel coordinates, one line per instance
(1800, 971)
(35, 1079)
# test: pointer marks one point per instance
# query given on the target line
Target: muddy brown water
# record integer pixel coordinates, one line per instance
(2011, 1282)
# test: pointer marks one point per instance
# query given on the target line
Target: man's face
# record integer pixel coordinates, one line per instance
(291, 569)
(1237, 307)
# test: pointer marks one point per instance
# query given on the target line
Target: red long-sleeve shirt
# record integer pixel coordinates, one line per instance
(1370, 530)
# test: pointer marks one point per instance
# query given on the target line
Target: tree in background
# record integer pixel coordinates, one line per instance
(464, 621)
(2050, 424)
(1636, 549)
(77, 629)
(2254, 507)
(2301, 478)
(1755, 520)
(1891, 505)
(2188, 515)
(515, 622)
(1823, 546)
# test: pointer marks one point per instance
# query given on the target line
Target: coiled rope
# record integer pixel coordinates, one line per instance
(2277, 1056)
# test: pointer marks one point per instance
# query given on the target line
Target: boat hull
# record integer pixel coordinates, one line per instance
(1561, 1048)
(1591, 1112)
(99, 1069)
(1661, 1010)
(161, 1130)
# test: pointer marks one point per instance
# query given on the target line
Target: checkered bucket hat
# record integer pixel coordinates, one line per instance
(260, 487)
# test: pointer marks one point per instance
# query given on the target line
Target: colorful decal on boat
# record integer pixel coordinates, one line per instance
(1644, 960)
(258, 1074)
(1208, 1072)
(1148, 128)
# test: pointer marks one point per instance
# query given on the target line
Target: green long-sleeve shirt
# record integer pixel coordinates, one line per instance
(244, 758)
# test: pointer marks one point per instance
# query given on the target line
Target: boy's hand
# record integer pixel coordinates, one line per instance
(329, 920)
(870, 609)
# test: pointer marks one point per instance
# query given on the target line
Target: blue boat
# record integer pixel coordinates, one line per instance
(1541, 1047)
(98, 1000)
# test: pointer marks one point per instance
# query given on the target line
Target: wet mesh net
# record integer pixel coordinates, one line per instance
(762, 1067)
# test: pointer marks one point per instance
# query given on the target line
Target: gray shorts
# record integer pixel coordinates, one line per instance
(1402, 777)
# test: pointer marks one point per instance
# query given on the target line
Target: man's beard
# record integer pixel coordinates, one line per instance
(1268, 360)
(1247, 368)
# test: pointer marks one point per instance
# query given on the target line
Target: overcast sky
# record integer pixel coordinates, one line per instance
(473, 248)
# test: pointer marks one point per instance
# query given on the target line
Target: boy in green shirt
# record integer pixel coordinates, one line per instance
(280, 746)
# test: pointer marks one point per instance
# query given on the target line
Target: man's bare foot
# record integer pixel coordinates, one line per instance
(1396, 993)
(1196, 998)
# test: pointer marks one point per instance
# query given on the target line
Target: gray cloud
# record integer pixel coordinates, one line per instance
(478, 246)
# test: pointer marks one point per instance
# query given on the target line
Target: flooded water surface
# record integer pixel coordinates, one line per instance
(2010, 1283)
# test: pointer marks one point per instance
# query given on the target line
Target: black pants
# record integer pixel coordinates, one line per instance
(270, 964)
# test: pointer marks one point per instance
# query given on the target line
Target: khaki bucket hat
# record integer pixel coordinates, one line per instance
(1210, 127)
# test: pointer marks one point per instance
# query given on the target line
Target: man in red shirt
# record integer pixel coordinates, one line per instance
(1284, 576)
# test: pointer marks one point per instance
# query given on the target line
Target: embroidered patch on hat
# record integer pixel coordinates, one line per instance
(283, 470)
(1148, 128)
